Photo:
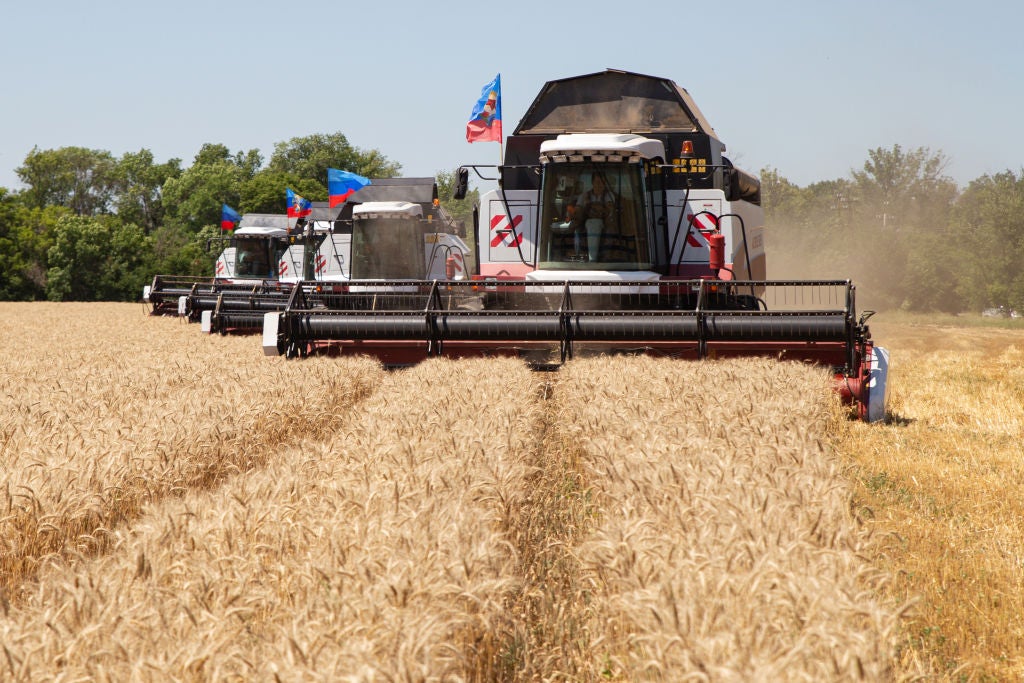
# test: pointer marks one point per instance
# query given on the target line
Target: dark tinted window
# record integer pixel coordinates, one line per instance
(607, 103)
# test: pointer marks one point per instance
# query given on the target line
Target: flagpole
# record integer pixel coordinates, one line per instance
(501, 137)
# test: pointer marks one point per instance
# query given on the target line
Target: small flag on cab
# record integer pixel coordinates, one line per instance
(229, 218)
(342, 184)
(298, 208)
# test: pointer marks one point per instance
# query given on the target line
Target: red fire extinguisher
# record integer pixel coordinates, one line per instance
(716, 255)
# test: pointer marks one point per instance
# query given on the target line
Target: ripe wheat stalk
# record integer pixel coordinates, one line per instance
(627, 518)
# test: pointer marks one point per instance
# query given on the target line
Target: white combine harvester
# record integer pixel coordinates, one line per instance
(373, 235)
(618, 226)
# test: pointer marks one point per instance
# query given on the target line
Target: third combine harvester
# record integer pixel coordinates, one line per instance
(617, 226)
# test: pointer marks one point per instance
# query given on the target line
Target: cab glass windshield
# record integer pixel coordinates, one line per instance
(387, 249)
(593, 218)
(253, 258)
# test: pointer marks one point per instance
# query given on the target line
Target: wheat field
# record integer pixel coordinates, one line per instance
(179, 507)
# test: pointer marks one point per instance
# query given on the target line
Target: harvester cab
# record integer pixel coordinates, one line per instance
(254, 253)
(392, 228)
(617, 226)
(399, 230)
(619, 176)
(393, 240)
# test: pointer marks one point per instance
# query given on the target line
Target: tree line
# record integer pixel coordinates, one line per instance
(904, 232)
(88, 226)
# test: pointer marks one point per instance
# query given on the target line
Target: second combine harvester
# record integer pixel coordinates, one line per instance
(618, 226)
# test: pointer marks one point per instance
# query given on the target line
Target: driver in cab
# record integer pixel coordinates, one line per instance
(597, 203)
(593, 213)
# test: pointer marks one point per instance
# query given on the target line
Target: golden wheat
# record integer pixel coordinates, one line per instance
(724, 550)
(106, 410)
(230, 516)
(373, 551)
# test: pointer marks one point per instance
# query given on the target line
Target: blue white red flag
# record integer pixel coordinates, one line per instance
(229, 218)
(298, 206)
(341, 185)
(485, 121)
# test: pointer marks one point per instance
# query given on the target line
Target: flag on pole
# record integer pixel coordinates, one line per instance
(485, 121)
(341, 185)
(229, 218)
(298, 207)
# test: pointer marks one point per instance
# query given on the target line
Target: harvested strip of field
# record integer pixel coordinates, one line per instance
(940, 487)
(104, 409)
(377, 552)
(722, 548)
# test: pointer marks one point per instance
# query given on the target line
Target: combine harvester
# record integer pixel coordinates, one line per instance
(618, 226)
(245, 264)
(264, 260)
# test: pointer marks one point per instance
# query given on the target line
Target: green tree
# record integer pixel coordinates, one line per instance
(899, 226)
(777, 192)
(265, 191)
(97, 259)
(309, 157)
(988, 231)
(930, 280)
(807, 228)
(84, 180)
(139, 188)
(194, 198)
(26, 234)
(905, 189)
(16, 237)
(179, 251)
(212, 153)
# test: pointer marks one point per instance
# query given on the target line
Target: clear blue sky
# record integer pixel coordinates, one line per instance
(804, 87)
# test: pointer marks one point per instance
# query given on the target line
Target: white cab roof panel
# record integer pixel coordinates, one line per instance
(387, 210)
(626, 144)
(260, 231)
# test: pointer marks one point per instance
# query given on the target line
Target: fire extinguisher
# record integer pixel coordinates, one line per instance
(716, 255)
(449, 268)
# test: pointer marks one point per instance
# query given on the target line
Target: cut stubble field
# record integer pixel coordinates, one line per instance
(939, 488)
(179, 506)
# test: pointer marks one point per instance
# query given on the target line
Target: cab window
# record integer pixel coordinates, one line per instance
(593, 218)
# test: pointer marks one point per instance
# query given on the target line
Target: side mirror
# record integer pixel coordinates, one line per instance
(461, 183)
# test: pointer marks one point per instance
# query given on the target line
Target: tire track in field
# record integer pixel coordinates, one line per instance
(551, 610)
(430, 537)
